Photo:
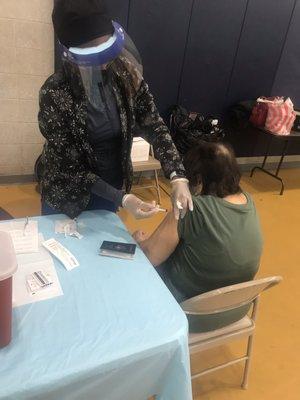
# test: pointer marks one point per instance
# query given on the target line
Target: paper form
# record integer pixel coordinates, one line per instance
(24, 236)
(27, 264)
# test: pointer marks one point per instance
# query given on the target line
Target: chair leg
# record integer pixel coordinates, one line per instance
(247, 364)
(157, 187)
(139, 178)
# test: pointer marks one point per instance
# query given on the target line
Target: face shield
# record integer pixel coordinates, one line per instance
(93, 62)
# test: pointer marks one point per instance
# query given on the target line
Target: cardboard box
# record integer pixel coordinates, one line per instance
(140, 150)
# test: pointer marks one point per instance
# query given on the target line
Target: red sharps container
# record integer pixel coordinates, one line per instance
(8, 266)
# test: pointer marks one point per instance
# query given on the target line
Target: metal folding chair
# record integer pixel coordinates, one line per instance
(221, 300)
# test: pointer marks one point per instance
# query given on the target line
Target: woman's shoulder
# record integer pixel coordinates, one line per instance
(210, 201)
(56, 92)
(128, 71)
(54, 82)
(204, 200)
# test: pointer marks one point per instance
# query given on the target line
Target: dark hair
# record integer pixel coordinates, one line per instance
(215, 167)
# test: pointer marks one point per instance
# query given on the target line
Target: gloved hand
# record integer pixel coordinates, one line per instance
(181, 197)
(138, 208)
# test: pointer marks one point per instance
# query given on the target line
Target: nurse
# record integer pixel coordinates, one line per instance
(90, 111)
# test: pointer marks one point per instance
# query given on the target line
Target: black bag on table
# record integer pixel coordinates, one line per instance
(188, 128)
(240, 113)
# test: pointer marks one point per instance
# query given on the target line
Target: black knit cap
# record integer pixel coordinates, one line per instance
(79, 21)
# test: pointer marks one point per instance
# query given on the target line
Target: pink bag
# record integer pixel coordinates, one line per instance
(281, 116)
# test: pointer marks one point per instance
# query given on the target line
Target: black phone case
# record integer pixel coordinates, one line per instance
(125, 248)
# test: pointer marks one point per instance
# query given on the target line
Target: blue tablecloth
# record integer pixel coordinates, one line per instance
(116, 334)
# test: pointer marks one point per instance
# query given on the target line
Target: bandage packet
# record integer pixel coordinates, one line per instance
(68, 227)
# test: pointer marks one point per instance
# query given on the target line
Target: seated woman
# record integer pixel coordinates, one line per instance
(216, 245)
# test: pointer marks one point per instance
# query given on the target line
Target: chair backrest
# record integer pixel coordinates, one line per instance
(229, 297)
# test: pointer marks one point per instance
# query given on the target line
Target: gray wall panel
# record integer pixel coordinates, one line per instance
(119, 11)
(261, 44)
(287, 81)
(159, 30)
(214, 35)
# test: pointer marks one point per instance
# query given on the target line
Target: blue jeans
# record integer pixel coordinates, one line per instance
(95, 203)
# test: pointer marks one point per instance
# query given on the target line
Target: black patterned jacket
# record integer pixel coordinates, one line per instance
(68, 158)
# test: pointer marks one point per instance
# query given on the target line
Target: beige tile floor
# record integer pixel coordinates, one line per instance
(275, 372)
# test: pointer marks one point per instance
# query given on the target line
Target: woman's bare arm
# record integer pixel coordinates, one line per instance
(162, 243)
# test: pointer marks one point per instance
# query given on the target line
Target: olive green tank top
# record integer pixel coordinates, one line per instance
(220, 245)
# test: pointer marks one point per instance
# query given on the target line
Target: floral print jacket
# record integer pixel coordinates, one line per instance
(68, 158)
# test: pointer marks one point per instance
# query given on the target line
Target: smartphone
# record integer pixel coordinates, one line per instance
(118, 250)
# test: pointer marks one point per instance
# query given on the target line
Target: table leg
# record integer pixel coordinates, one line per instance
(279, 165)
(139, 178)
(157, 186)
(283, 154)
(267, 152)
(282, 157)
(265, 158)
(282, 187)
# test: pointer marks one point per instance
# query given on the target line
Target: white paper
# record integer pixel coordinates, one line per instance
(27, 264)
(41, 255)
(24, 237)
(61, 253)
